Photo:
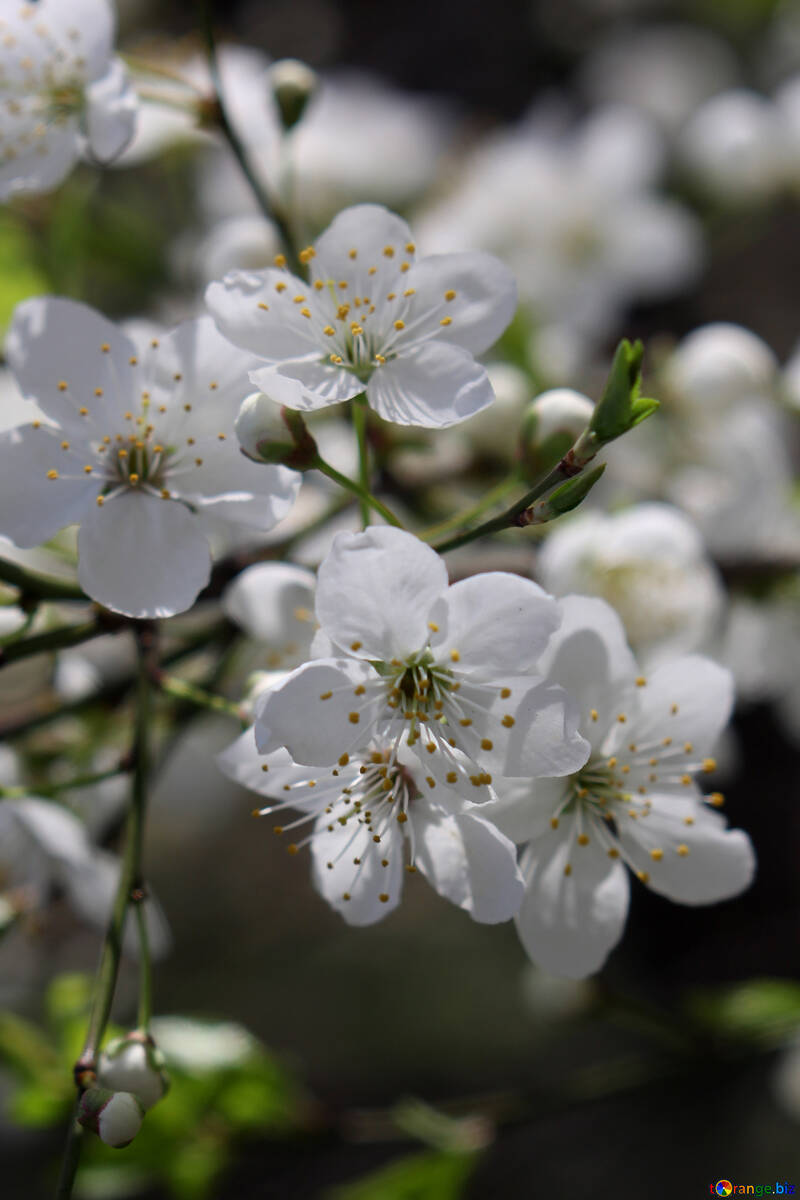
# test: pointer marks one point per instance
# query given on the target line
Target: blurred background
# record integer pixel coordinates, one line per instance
(637, 164)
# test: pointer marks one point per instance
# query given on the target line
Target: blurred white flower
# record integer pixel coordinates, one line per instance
(63, 94)
(649, 563)
(273, 603)
(735, 147)
(718, 365)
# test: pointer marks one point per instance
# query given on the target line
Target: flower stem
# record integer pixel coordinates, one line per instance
(572, 464)
(268, 206)
(492, 497)
(129, 890)
(365, 498)
(359, 411)
(199, 697)
(69, 1163)
(55, 789)
(54, 639)
(39, 587)
(145, 1011)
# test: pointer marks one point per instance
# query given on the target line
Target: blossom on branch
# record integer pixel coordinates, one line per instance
(372, 317)
(137, 446)
(62, 93)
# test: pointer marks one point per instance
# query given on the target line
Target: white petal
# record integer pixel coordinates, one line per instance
(568, 924)
(40, 165)
(363, 882)
(84, 29)
(484, 303)
(698, 863)
(111, 111)
(214, 375)
(497, 623)
(243, 762)
(57, 831)
(371, 230)
(273, 603)
(689, 699)
(376, 588)
(544, 738)
(227, 484)
(142, 556)
(53, 341)
(33, 507)
(433, 385)
(469, 862)
(321, 384)
(317, 714)
(524, 807)
(276, 332)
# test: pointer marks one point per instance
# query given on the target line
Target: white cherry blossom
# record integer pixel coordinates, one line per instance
(138, 448)
(374, 318)
(634, 803)
(452, 669)
(274, 604)
(62, 93)
(370, 813)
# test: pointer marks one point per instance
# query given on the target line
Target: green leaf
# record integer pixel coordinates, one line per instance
(570, 494)
(620, 407)
(418, 1177)
(763, 1010)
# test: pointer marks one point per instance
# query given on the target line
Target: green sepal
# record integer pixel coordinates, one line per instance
(570, 494)
(621, 407)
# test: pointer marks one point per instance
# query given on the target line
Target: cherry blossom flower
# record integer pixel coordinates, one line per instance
(274, 604)
(635, 802)
(452, 669)
(138, 448)
(62, 92)
(371, 318)
(370, 811)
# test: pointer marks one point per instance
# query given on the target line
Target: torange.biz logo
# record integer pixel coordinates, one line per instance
(724, 1187)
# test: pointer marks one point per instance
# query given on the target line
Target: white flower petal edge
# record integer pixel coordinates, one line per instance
(143, 453)
(372, 318)
(274, 603)
(634, 802)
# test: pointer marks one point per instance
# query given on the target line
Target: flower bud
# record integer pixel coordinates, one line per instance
(550, 425)
(293, 84)
(134, 1064)
(268, 433)
(116, 1117)
(719, 364)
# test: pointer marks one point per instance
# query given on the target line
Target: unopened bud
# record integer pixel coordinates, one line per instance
(550, 425)
(271, 434)
(116, 1117)
(134, 1064)
(293, 84)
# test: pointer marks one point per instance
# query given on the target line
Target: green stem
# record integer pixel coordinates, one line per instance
(171, 685)
(492, 497)
(359, 411)
(54, 639)
(572, 464)
(70, 1160)
(55, 789)
(145, 1011)
(39, 587)
(129, 890)
(366, 499)
(267, 205)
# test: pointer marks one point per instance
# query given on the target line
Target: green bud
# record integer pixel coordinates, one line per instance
(563, 499)
(116, 1117)
(621, 407)
(550, 425)
(293, 84)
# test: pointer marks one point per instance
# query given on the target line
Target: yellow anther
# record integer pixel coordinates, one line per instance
(673, 708)
(446, 321)
(392, 296)
(329, 330)
(404, 267)
(353, 718)
(342, 311)
(84, 412)
(568, 869)
(133, 478)
(353, 253)
(682, 850)
(465, 721)
(688, 820)
(100, 501)
(318, 285)
(507, 720)
(166, 494)
(280, 260)
(388, 251)
(656, 855)
(434, 628)
(380, 360)
(641, 681)
(451, 776)
(265, 307)
(667, 741)
(626, 770)
(505, 693)
(399, 325)
(325, 695)
(554, 822)
(105, 348)
(355, 329)
(409, 292)
(583, 793)
(306, 254)
(717, 799)
(410, 247)
(686, 780)
(305, 312)
(298, 299)
(583, 839)
(133, 360)
(613, 852)
(593, 714)
(642, 876)
(337, 359)
(622, 718)
(62, 385)
(52, 474)
(65, 445)
(280, 287)
(455, 656)
(383, 897)
(487, 744)
(612, 762)
(709, 765)
(345, 895)
(87, 470)
(431, 747)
